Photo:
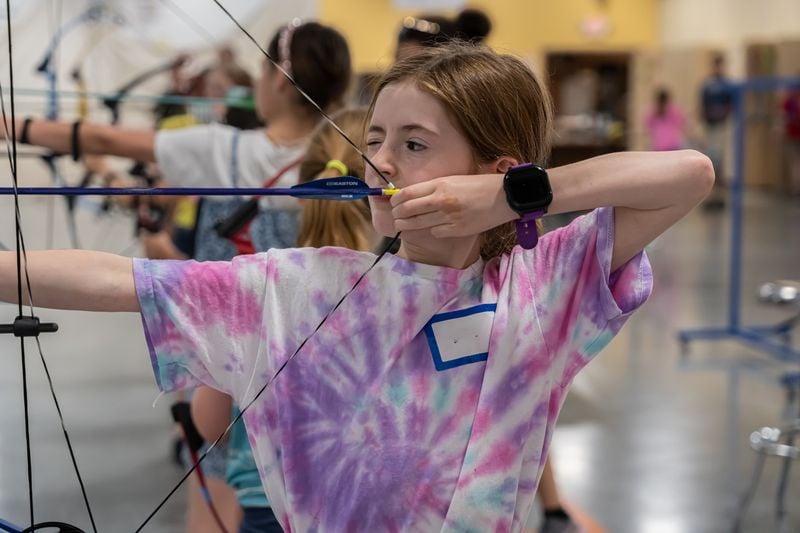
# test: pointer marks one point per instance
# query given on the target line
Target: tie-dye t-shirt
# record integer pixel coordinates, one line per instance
(427, 400)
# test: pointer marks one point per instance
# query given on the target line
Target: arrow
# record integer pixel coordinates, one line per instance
(339, 188)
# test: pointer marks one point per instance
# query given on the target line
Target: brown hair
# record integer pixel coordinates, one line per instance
(494, 99)
(320, 62)
(331, 222)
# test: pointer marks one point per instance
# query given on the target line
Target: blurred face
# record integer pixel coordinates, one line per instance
(217, 84)
(411, 139)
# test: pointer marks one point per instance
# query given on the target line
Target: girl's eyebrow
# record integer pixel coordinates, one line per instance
(407, 127)
(411, 127)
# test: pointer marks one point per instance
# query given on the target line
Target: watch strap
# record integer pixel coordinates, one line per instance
(527, 233)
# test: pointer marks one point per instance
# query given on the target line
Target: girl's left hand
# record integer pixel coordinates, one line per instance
(453, 206)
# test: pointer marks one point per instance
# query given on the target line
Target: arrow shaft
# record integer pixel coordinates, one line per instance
(187, 191)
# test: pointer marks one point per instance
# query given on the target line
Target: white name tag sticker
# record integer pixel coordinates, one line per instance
(460, 337)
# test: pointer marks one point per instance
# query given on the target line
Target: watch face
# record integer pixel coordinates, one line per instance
(527, 188)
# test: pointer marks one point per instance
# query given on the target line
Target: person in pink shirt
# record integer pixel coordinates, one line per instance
(417, 391)
(665, 124)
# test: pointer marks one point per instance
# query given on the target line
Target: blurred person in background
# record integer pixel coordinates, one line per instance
(471, 25)
(716, 105)
(665, 123)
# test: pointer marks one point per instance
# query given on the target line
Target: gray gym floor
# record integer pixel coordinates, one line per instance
(647, 443)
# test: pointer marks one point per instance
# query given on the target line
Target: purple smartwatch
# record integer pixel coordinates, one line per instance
(529, 194)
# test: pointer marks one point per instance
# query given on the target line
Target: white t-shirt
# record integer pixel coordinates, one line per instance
(216, 155)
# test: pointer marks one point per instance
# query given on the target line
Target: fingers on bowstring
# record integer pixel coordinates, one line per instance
(412, 192)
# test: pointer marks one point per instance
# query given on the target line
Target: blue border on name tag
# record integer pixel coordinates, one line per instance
(434, 346)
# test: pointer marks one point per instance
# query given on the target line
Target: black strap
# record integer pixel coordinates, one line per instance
(182, 414)
(228, 227)
(23, 137)
(76, 141)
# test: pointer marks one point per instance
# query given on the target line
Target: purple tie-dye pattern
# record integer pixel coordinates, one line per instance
(361, 432)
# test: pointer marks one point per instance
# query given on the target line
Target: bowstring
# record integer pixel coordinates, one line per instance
(380, 256)
(17, 232)
(22, 267)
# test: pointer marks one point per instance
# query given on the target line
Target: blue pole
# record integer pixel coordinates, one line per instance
(737, 191)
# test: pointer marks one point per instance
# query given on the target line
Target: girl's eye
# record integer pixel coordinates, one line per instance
(373, 145)
(415, 146)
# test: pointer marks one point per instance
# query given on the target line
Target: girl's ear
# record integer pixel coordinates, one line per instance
(282, 82)
(503, 163)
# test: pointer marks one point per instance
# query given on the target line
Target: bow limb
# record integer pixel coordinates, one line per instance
(112, 102)
(76, 73)
(83, 99)
(47, 68)
(94, 14)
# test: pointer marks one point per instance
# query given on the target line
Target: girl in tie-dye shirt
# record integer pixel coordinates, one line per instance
(426, 400)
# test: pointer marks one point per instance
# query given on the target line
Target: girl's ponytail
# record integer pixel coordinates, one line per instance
(330, 222)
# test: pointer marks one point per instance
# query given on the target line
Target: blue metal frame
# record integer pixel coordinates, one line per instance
(762, 338)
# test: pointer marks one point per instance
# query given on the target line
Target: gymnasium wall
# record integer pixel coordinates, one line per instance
(729, 25)
(526, 27)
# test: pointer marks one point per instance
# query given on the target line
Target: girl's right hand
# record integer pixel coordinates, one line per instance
(453, 206)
